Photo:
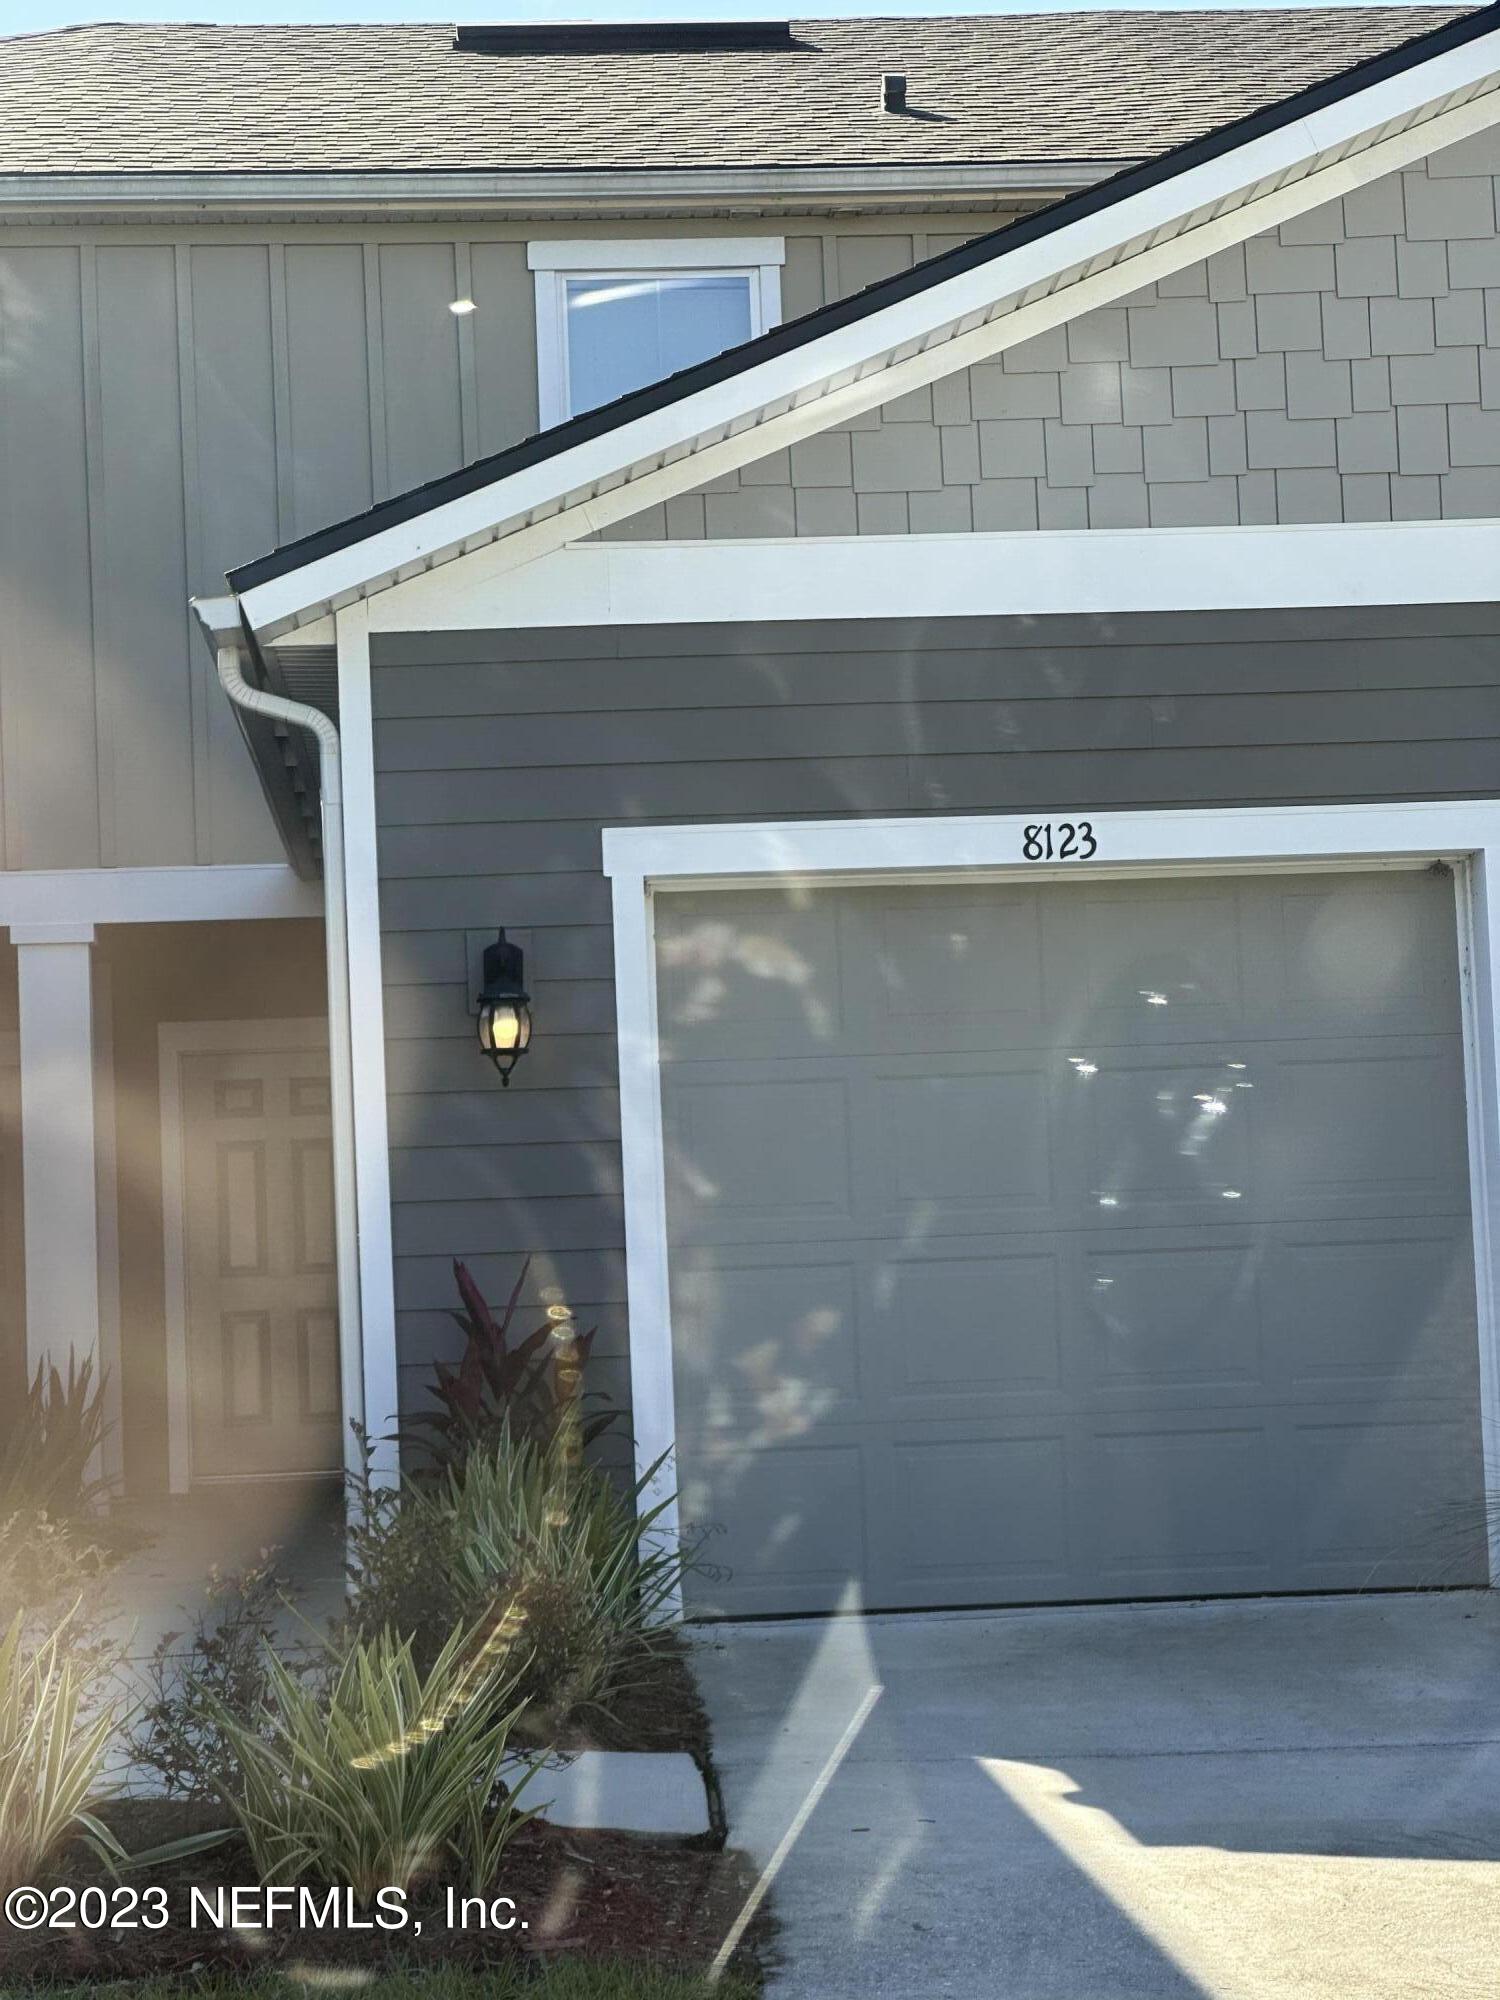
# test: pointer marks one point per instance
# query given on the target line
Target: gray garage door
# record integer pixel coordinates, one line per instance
(1070, 1240)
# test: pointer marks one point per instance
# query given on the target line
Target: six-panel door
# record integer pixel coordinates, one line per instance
(262, 1312)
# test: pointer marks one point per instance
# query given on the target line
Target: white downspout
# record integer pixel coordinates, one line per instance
(301, 715)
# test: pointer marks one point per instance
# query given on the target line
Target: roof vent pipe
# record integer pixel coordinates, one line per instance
(892, 92)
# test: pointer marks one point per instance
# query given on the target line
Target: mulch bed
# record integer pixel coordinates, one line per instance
(593, 1895)
(658, 1708)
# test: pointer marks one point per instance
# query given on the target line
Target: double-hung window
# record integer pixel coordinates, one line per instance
(613, 316)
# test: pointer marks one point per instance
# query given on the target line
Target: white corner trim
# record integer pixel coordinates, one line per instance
(372, 1163)
(1035, 573)
(657, 253)
(1029, 289)
(647, 862)
(52, 896)
(653, 1415)
(756, 259)
(174, 1041)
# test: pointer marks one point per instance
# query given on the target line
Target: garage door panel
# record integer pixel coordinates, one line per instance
(1368, 1122)
(769, 1349)
(1388, 1503)
(1363, 953)
(965, 1139)
(1370, 1315)
(1168, 1505)
(955, 1330)
(728, 1152)
(946, 966)
(1075, 1240)
(1148, 953)
(783, 1530)
(1175, 1315)
(1164, 1132)
(972, 1514)
(744, 972)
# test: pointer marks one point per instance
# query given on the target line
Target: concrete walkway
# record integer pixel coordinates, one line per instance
(1274, 1800)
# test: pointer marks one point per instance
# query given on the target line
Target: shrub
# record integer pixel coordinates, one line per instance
(382, 1774)
(221, 1664)
(403, 1571)
(50, 1757)
(528, 1388)
(54, 1581)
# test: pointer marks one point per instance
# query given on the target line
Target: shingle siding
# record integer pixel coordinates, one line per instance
(499, 757)
(1287, 380)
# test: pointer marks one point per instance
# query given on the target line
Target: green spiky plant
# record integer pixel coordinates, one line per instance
(533, 1535)
(382, 1775)
(51, 1759)
(55, 1731)
(48, 1450)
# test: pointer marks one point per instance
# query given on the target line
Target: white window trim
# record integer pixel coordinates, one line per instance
(175, 1040)
(644, 863)
(758, 258)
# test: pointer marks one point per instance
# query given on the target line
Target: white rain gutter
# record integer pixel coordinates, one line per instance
(224, 636)
(559, 193)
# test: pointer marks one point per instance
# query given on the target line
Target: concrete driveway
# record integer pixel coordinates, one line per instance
(1294, 1798)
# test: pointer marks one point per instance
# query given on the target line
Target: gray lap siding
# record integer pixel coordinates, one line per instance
(501, 756)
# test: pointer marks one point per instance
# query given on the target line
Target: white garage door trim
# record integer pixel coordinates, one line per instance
(643, 862)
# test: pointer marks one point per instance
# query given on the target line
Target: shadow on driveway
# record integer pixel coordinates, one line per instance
(1270, 1800)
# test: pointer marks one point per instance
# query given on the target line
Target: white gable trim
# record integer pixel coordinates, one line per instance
(1035, 573)
(945, 327)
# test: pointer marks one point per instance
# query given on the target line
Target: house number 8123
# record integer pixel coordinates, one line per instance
(1069, 840)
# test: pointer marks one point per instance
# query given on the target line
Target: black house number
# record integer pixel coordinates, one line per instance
(1067, 840)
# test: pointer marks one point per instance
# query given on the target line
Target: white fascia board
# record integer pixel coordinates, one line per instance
(1073, 269)
(1028, 573)
(219, 618)
(232, 892)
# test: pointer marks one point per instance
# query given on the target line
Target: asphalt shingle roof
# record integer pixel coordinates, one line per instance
(1019, 88)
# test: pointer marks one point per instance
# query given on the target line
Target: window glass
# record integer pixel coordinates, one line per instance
(627, 330)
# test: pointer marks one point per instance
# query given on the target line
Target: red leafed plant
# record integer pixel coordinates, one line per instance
(525, 1389)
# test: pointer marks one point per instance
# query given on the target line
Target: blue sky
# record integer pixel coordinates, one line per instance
(23, 16)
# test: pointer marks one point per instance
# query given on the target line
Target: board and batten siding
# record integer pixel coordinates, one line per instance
(499, 758)
(175, 400)
(1345, 367)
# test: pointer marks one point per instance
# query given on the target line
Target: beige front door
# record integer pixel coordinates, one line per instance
(262, 1320)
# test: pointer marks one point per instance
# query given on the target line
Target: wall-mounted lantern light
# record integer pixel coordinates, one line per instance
(504, 1007)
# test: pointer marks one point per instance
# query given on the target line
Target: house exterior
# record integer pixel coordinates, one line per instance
(956, 623)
